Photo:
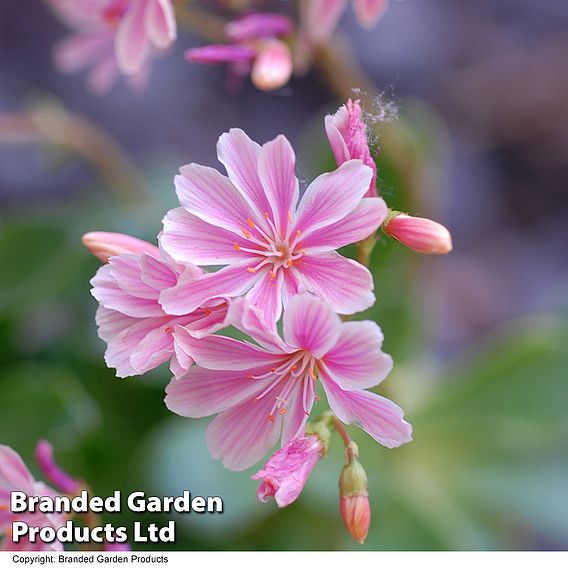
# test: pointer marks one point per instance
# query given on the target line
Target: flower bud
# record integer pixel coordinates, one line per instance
(104, 245)
(354, 498)
(272, 67)
(347, 135)
(419, 234)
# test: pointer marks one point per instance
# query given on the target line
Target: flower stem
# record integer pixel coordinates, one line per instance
(341, 431)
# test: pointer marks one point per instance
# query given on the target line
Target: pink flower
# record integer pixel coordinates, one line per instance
(419, 234)
(15, 476)
(321, 17)
(274, 244)
(104, 245)
(266, 391)
(52, 472)
(286, 472)
(347, 134)
(256, 50)
(112, 36)
(140, 335)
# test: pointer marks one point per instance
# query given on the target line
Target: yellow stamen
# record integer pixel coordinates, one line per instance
(246, 233)
(298, 232)
(237, 247)
(271, 418)
(283, 411)
(251, 223)
(312, 374)
(290, 263)
(272, 274)
(251, 270)
(289, 216)
(266, 215)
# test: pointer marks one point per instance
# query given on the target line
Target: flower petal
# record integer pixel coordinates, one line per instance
(310, 324)
(217, 352)
(239, 154)
(202, 392)
(369, 12)
(266, 294)
(331, 196)
(209, 195)
(378, 416)
(131, 43)
(356, 360)
(320, 18)
(186, 238)
(276, 168)
(242, 435)
(251, 320)
(298, 411)
(14, 474)
(108, 293)
(156, 348)
(160, 23)
(344, 283)
(362, 222)
(190, 293)
(123, 335)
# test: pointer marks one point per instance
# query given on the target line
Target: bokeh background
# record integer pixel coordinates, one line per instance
(479, 337)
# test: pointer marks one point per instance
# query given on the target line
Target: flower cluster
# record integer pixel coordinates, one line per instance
(113, 37)
(246, 250)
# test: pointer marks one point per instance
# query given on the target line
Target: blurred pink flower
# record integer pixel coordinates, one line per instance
(15, 476)
(275, 245)
(113, 36)
(286, 472)
(104, 245)
(419, 234)
(52, 472)
(320, 17)
(266, 391)
(347, 134)
(139, 334)
(256, 50)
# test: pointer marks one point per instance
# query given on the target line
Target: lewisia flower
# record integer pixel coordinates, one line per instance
(286, 472)
(15, 476)
(140, 335)
(266, 391)
(112, 36)
(256, 48)
(347, 134)
(274, 244)
(320, 17)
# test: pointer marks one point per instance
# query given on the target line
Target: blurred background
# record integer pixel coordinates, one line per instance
(479, 337)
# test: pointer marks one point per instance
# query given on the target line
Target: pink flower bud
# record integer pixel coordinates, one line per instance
(52, 472)
(419, 234)
(259, 26)
(347, 135)
(104, 245)
(286, 472)
(354, 498)
(220, 53)
(272, 68)
(356, 514)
